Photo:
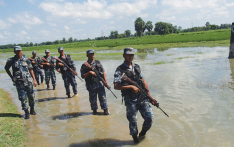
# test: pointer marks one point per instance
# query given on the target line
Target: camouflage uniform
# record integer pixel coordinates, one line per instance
(22, 79)
(95, 87)
(49, 71)
(37, 70)
(130, 99)
(67, 75)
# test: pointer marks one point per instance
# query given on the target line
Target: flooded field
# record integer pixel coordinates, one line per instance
(194, 86)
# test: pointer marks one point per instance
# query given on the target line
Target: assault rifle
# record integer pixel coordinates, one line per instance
(31, 59)
(99, 77)
(145, 94)
(51, 63)
(73, 72)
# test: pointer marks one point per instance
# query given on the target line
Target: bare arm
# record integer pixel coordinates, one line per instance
(9, 73)
(119, 86)
(104, 75)
(87, 74)
(34, 80)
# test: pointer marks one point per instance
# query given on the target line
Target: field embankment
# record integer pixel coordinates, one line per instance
(161, 42)
(12, 128)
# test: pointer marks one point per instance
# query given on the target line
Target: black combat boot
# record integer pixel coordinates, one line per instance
(27, 115)
(48, 86)
(135, 138)
(42, 80)
(53, 87)
(38, 83)
(95, 112)
(143, 132)
(106, 111)
(68, 96)
(32, 111)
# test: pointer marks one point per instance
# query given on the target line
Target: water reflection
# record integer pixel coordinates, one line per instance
(194, 90)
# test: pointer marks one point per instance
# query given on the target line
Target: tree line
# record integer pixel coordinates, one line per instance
(141, 28)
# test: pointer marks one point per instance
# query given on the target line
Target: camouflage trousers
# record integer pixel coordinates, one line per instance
(37, 73)
(50, 74)
(25, 91)
(69, 79)
(131, 112)
(100, 91)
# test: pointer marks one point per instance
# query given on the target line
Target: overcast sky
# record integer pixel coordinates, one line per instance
(37, 21)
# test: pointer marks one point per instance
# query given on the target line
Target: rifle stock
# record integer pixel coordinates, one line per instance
(73, 72)
(150, 98)
(100, 78)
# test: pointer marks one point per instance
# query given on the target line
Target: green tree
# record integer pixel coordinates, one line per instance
(56, 42)
(128, 33)
(139, 26)
(116, 34)
(31, 44)
(161, 28)
(149, 26)
(64, 40)
(70, 40)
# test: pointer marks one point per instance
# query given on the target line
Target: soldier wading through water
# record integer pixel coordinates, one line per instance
(49, 65)
(93, 82)
(37, 67)
(68, 77)
(23, 78)
(131, 94)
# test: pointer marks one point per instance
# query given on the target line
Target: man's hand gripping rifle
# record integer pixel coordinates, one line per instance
(145, 94)
(51, 64)
(36, 62)
(99, 77)
(73, 72)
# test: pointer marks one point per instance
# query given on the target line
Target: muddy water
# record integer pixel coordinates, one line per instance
(193, 85)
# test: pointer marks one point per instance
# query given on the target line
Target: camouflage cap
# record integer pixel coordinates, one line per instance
(17, 48)
(34, 52)
(60, 49)
(90, 51)
(128, 50)
(47, 51)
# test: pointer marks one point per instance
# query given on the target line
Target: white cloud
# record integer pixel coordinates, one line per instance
(28, 37)
(27, 27)
(2, 3)
(23, 33)
(44, 33)
(25, 19)
(52, 24)
(66, 28)
(112, 22)
(31, 1)
(11, 20)
(4, 25)
(1, 36)
(96, 9)
(80, 21)
(230, 4)
(190, 4)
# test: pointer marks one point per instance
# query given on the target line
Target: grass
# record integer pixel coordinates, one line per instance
(145, 44)
(12, 130)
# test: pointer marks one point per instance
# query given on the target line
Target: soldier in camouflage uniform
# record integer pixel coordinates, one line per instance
(23, 78)
(131, 94)
(37, 67)
(93, 83)
(48, 63)
(67, 75)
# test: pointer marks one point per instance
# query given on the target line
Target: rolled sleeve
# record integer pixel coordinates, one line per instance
(29, 64)
(117, 76)
(82, 70)
(8, 64)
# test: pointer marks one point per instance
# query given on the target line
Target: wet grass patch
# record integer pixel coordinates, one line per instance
(169, 54)
(13, 131)
(160, 62)
(180, 58)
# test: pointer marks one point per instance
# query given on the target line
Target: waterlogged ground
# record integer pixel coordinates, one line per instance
(194, 86)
